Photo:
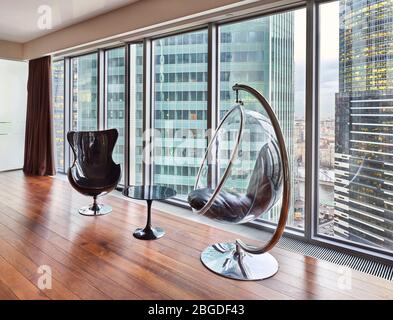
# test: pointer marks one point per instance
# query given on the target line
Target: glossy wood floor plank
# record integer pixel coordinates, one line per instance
(98, 258)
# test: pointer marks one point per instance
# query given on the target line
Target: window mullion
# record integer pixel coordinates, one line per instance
(312, 116)
(212, 106)
(127, 111)
(67, 111)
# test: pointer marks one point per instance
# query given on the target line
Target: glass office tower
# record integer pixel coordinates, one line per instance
(180, 109)
(364, 124)
(260, 53)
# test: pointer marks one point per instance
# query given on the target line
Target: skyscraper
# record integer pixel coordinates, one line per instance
(364, 124)
(180, 108)
(260, 53)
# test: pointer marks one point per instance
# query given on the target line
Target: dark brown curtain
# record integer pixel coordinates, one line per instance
(39, 148)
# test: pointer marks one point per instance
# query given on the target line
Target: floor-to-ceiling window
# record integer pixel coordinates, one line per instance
(84, 91)
(356, 122)
(180, 108)
(58, 111)
(328, 84)
(268, 53)
(115, 91)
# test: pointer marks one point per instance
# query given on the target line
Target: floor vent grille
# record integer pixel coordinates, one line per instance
(373, 268)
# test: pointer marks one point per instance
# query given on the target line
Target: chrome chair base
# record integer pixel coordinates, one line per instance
(95, 210)
(230, 261)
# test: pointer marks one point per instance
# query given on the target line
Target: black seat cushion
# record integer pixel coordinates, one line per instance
(227, 206)
(260, 196)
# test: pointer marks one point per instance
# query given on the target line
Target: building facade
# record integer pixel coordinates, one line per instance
(364, 124)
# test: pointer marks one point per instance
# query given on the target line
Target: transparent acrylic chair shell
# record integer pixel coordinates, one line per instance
(221, 199)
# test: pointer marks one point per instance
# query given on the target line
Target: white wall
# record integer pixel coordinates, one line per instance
(13, 101)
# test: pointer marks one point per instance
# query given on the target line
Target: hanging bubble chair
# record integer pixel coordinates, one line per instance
(244, 173)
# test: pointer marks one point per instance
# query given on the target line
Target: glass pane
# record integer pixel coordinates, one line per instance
(115, 104)
(268, 54)
(180, 109)
(58, 111)
(84, 93)
(136, 114)
(356, 103)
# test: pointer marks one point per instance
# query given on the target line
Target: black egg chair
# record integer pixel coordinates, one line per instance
(94, 173)
(244, 173)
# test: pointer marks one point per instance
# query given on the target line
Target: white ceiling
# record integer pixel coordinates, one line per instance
(19, 19)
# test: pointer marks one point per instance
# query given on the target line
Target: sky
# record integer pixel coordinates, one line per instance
(329, 63)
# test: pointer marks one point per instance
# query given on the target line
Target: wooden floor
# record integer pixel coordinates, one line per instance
(98, 258)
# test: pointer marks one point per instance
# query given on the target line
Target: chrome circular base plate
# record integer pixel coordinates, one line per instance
(149, 234)
(102, 210)
(223, 259)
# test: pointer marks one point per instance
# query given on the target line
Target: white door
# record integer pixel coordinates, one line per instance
(13, 101)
